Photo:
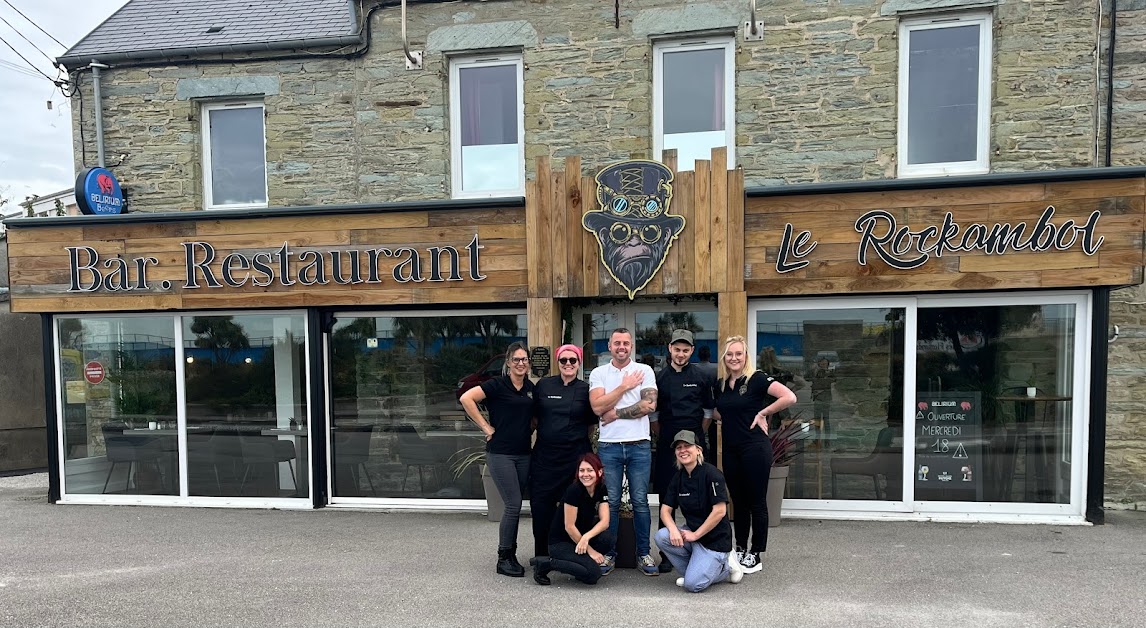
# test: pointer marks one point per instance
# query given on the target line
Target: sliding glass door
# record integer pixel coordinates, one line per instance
(993, 421)
(184, 409)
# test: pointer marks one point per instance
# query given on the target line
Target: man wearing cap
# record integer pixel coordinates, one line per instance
(701, 549)
(684, 402)
(623, 393)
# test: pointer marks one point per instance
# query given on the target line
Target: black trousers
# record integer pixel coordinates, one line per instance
(564, 558)
(664, 460)
(550, 473)
(746, 469)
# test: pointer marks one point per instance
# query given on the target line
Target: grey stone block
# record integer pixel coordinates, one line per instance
(691, 17)
(459, 37)
(224, 86)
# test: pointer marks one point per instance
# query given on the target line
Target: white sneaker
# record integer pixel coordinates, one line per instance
(735, 572)
(680, 582)
(750, 563)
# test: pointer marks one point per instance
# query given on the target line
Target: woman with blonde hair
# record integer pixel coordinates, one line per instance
(745, 399)
(701, 550)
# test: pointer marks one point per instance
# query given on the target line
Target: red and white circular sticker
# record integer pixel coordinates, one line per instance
(93, 372)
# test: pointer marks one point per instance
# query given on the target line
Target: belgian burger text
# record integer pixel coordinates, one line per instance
(285, 266)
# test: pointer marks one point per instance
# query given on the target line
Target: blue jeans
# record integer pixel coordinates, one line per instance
(700, 566)
(635, 462)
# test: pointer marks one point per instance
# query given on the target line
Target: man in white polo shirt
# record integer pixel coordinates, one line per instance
(623, 393)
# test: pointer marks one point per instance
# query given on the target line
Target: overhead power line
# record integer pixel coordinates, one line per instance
(30, 64)
(30, 42)
(35, 24)
(8, 65)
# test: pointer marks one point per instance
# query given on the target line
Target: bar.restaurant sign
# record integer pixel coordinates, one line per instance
(284, 266)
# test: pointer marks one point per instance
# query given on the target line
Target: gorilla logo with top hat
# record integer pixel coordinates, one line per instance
(633, 227)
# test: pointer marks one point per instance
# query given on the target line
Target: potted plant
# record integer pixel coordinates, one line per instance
(787, 443)
(1032, 390)
(462, 461)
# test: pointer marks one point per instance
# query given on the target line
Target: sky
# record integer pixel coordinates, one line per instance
(35, 142)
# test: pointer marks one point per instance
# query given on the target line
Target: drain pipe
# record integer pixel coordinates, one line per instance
(1110, 82)
(95, 67)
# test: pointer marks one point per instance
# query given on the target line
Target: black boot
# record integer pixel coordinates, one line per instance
(507, 564)
(666, 564)
(513, 559)
(541, 568)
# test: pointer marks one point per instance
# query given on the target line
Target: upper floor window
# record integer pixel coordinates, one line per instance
(487, 127)
(234, 155)
(694, 99)
(944, 95)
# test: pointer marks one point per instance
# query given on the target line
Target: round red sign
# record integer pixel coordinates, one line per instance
(93, 372)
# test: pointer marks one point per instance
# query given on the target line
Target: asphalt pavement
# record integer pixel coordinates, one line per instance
(151, 566)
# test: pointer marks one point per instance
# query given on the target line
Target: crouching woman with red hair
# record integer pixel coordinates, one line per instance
(579, 535)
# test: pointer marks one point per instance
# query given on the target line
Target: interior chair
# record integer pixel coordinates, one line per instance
(130, 449)
(884, 460)
(415, 451)
(264, 450)
(352, 451)
(201, 461)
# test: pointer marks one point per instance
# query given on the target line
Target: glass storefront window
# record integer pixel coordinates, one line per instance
(397, 428)
(117, 383)
(994, 393)
(846, 368)
(246, 391)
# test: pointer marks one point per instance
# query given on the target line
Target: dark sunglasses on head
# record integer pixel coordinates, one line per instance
(568, 360)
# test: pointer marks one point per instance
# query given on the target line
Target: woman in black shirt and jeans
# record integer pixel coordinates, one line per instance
(579, 534)
(744, 401)
(509, 399)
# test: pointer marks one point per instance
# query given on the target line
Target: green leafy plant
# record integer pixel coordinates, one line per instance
(463, 459)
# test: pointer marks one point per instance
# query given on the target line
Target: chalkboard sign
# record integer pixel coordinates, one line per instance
(540, 359)
(948, 454)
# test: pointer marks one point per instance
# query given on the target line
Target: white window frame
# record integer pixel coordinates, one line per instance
(488, 60)
(910, 509)
(395, 503)
(205, 124)
(728, 44)
(982, 162)
(184, 498)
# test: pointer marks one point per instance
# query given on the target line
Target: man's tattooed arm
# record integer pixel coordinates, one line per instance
(647, 405)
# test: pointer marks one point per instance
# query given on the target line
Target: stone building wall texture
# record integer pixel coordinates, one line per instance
(1126, 386)
(815, 101)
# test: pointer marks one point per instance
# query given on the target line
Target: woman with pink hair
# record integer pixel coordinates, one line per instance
(564, 420)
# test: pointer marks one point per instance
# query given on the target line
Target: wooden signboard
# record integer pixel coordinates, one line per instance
(1036, 235)
(298, 258)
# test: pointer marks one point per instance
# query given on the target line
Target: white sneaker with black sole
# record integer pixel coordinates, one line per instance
(735, 571)
(750, 563)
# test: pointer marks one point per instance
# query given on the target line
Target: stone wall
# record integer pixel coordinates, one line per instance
(816, 99)
(1126, 384)
(23, 439)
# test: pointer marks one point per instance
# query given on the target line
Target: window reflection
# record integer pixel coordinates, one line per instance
(846, 368)
(117, 382)
(397, 428)
(246, 405)
(1013, 366)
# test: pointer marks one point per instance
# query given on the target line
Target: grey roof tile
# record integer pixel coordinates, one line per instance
(141, 26)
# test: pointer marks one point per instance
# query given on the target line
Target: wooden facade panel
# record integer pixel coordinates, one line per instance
(41, 267)
(892, 199)
(734, 251)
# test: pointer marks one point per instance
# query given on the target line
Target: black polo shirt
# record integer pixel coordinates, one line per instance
(588, 507)
(563, 414)
(510, 414)
(682, 398)
(738, 405)
(694, 495)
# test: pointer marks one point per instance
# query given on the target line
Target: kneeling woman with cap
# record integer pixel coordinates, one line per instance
(579, 535)
(701, 548)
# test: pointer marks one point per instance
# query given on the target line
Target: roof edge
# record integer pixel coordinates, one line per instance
(896, 185)
(24, 222)
(332, 41)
